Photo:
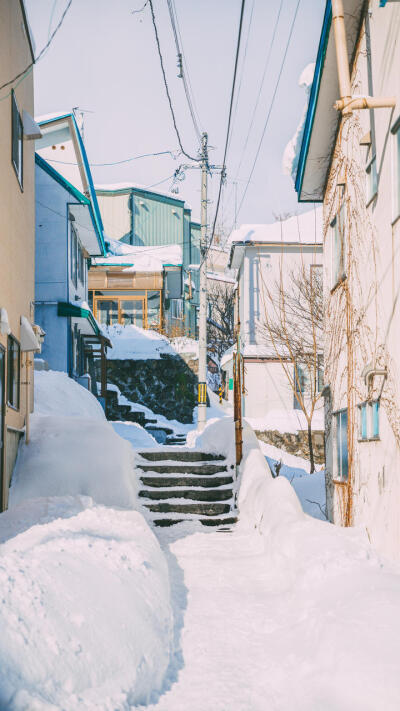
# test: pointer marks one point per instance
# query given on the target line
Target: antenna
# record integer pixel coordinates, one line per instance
(80, 119)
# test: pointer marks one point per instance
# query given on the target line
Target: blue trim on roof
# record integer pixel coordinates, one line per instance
(92, 191)
(146, 193)
(312, 104)
(382, 3)
(72, 190)
(60, 179)
(54, 118)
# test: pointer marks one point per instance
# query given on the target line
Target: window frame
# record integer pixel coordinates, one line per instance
(368, 426)
(17, 120)
(175, 302)
(338, 475)
(10, 372)
(395, 130)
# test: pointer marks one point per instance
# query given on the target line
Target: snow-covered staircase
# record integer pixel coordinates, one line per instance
(187, 485)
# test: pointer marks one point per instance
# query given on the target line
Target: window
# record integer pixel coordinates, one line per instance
(300, 377)
(177, 308)
(77, 259)
(342, 457)
(16, 140)
(320, 372)
(338, 251)
(13, 372)
(74, 241)
(368, 428)
(371, 182)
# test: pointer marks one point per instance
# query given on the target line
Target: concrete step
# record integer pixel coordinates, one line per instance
(202, 509)
(179, 456)
(164, 522)
(173, 481)
(194, 495)
(187, 469)
(158, 428)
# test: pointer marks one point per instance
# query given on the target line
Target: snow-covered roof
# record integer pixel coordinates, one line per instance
(54, 116)
(304, 229)
(141, 259)
(220, 276)
(126, 186)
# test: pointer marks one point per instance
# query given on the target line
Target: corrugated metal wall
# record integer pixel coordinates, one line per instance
(116, 215)
(156, 220)
(195, 243)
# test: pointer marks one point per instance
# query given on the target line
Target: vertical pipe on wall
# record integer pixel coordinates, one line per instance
(342, 59)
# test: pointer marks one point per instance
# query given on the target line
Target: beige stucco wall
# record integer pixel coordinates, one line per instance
(17, 211)
(363, 322)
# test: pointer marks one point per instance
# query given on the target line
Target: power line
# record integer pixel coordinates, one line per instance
(166, 85)
(136, 12)
(41, 53)
(182, 73)
(186, 63)
(266, 65)
(222, 175)
(118, 162)
(271, 105)
(243, 66)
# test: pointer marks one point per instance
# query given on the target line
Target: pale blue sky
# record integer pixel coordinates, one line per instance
(104, 59)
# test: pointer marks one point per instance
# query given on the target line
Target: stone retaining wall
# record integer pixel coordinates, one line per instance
(296, 443)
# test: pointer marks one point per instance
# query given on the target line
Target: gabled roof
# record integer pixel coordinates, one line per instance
(322, 120)
(86, 230)
(55, 120)
(128, 187)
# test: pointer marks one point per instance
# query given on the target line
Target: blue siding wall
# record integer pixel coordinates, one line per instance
(156, 220)
(55, 345)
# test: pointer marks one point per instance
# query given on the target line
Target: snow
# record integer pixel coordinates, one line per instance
(220, 276)
(304, 229)
(310, 488)
(290, 421)
(84, 589)
(43, 118)
(126, 186)
(185, 345)
(134, 343)
(135, 434)
(141, 259)
(292, 151)
(73, 450)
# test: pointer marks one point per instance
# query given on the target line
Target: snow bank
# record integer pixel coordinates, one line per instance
(85, 619)
(290, 421)
(135, 434)
(218, 436)
(74, 455)
(186, 345)
(57, 394)
(134, 343)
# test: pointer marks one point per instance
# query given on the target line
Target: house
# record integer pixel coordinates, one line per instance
(68, 235)
(350, 162)
(17, 242)
(266, 256)
(147, 276)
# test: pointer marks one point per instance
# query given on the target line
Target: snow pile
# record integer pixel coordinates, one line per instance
(218, 436)
(141, 258)
(292, 151)
(57, 394)
(304, 229)
(135, 434)
(310, 488)
(134, 343)
(289, 421)
(85, 617)
(185, 345)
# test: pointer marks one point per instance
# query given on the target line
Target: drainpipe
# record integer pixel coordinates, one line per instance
(27, 421)
(347, 104)
(342, 59)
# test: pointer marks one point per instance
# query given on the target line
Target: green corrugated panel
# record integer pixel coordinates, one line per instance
(186, 239)
(195, 243)
(156, 220)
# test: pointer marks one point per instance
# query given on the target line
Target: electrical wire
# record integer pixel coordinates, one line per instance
(186, 63)
(242, 72)
(41, 53)
(271, 104)
(136, 12)
(222, 174)
(182, 70)
(266, 65)
(118, 162)
(166, 85)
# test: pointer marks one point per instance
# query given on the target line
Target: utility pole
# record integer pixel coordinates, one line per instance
(202, 387)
